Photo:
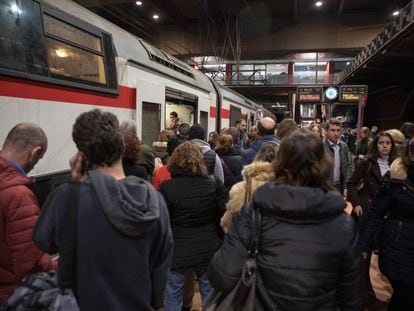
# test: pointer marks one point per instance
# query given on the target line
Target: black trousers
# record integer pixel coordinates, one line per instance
(402, 298)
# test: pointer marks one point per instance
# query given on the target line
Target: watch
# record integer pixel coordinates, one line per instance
(331, 93)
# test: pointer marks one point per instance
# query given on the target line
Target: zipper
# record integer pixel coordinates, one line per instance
(397, 238)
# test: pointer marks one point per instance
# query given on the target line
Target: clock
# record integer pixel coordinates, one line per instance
(331, 93)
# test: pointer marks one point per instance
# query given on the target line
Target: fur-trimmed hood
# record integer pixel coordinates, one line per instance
(398, 170)
(262, 171)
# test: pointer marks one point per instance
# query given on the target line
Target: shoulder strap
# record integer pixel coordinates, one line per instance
(255, 232)
(67, 253)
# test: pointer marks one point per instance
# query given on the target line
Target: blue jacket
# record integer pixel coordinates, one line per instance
(250, 153)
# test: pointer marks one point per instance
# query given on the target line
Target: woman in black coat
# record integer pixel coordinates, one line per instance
(196, 203)
(396, 253)
(308, 257)
(364, 184)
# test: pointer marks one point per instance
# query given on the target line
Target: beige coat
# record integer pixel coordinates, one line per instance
(260, 173)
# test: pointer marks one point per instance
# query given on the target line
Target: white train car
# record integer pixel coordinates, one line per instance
(57, 60)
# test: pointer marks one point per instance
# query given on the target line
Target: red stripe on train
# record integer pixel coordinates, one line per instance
(225, 113)
(36, 90)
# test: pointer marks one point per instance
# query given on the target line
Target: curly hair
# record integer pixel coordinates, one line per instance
(225, 142)
(165, 135)
(267, 152)
(189, 159)
(132, 148)
(96, 133)
(302, 160)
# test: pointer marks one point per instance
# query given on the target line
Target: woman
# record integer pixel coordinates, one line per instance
(230, 160)
(308, 257)
(258, 173)
(213, 139)
(396, 254)
(131, 156)
(363, 186)
(160, 146)
(362, 145)
(318, 130)
(195, 202)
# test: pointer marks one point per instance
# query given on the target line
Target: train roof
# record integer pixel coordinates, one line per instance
(135, 50)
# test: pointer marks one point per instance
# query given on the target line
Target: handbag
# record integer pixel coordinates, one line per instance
(242, 297)
(52, 291)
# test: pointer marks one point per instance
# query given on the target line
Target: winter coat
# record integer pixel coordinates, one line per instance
(395, 199)
(364, 183)
(308, 257)
(259, 173)
(232, 161)
(160, 149)
(249, 154)
(218, 168)
(195, 205)
(124, 242)
(135, 170)
(19, 256)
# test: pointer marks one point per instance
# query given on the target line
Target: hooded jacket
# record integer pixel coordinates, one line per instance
(308, 257)
(19, 256)
(395, 198)
(205, 147)
(124, 242)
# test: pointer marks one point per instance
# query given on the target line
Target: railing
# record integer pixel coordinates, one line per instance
(391, 31)
(277, 80)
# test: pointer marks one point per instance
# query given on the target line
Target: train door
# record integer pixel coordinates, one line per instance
(184, 104)
(235, 114)
(151, 120)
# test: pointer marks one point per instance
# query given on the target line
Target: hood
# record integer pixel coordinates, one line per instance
(299, 204)
(10, 177)
(398, 170)
(131, 204)
(262, 171)
(205, 146)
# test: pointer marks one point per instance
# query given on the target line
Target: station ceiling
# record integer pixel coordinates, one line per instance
(210, 19)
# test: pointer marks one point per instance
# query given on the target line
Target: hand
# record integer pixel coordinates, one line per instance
(358, 210)
(348, 208)
(76, 167)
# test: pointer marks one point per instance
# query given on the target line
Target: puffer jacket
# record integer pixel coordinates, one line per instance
(259, 173)
(19, 256)
(195, 205)
(308, 257)
(395, 199)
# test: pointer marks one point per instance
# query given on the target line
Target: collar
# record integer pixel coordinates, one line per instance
(16, 166)
(333, 144)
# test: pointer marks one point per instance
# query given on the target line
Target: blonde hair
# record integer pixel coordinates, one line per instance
(189, 159)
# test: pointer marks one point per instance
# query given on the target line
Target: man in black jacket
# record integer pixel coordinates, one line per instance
(124, 240)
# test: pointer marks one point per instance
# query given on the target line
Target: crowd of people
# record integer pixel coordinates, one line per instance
(153, 220)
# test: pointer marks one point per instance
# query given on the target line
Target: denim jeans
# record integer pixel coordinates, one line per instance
(175, 287)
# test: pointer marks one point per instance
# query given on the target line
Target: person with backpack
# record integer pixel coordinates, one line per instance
(197, 135)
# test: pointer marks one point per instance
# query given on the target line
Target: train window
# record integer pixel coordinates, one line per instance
(78, 57)
(21, 39)
(151, 116)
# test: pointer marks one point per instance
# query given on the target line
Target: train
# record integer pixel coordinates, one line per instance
(59, 59)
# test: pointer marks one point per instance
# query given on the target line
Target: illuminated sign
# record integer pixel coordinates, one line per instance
(309, 94)
(352, 93)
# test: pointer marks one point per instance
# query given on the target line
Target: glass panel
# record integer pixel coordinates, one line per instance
(21, 42)
(204, 120)
(151, 116)
(68, 61)
(70, 33)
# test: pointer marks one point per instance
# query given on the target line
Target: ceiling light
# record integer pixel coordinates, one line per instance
(155, 16)
(15, 9)
(348, 63)
(139, 2)
(318, 3)
(396, 13)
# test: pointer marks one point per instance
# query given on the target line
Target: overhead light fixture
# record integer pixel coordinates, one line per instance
(396, 13)
(15, 9)
(318, 3)
(348, 63)
(155, 16)
(138, 3)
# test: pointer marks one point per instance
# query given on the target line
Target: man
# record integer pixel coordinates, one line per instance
(24, 146)
(252, 135)
(266, 132)
(124, 244)
(197, 134)
(241, 125)
(173, 122)
(339, 151)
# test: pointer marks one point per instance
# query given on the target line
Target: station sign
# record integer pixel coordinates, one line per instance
(352, 93)
(309, 94)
